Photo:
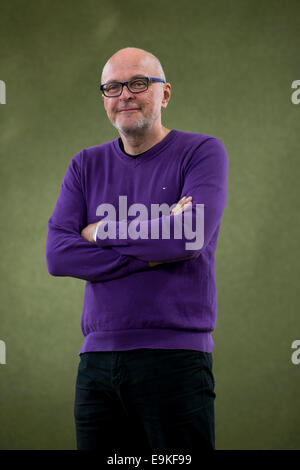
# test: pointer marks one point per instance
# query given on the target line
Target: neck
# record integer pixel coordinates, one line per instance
(139, 143)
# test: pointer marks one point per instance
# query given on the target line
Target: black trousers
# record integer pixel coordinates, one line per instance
(141, 401)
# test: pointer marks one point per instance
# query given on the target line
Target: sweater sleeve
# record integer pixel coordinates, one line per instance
(67, 252)
(186, 234)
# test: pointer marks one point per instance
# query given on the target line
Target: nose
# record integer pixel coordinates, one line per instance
(126, 93)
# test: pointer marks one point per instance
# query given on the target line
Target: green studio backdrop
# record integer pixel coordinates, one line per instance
(231, 65)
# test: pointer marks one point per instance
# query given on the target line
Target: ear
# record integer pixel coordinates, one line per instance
(166, 95)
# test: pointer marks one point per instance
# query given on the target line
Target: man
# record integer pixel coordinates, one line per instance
(145, 380)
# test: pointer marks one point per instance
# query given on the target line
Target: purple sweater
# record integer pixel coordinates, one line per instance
(128, 304)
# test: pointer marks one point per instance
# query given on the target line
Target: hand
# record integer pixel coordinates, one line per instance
(152, 263)
(181, 205)
(88, 231)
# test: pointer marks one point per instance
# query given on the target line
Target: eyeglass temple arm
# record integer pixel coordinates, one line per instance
(156, 80)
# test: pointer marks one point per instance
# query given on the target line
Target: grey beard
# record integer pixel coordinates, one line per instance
(138, 127)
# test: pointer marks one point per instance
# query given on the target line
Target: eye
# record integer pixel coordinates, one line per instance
(138, 83)
(112, 87)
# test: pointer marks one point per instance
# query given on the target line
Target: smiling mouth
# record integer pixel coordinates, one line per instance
(128, 110)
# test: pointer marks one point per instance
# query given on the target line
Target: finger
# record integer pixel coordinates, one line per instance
(187, 205)
(179, 203)
(184, 200)
(187, 202)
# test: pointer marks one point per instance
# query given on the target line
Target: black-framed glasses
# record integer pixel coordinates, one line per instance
(136, 85)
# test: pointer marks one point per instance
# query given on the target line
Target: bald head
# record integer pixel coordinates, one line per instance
(132, 57)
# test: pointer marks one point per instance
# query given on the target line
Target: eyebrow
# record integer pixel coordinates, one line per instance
(131, 78)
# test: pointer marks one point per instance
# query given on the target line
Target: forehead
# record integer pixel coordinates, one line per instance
(124, 69)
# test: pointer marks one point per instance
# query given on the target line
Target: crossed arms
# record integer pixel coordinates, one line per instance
(70, 250)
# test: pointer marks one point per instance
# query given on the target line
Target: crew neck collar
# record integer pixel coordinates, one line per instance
(148, 154)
